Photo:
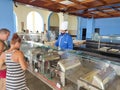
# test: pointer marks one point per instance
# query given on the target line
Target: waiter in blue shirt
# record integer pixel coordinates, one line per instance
(64, 40)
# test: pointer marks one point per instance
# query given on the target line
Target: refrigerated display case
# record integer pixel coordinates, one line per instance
(113, 39)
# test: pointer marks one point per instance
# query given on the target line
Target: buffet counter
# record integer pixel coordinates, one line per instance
(79, 70)
(106, 47)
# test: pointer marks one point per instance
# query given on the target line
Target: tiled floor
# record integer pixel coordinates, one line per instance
(34, 83)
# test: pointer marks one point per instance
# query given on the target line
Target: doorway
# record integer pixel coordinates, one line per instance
(53, 26)
(84, 33)
(97, 30)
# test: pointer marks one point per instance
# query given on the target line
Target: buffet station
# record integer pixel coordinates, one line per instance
(107, 47)
(78, 70)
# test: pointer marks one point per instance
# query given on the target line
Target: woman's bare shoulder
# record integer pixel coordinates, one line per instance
(2, 56)
(1, 45)
(19, 52)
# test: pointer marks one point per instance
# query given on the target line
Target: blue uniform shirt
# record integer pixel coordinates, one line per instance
(64, 42)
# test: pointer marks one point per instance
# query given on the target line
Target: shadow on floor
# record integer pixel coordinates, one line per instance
(34, 83)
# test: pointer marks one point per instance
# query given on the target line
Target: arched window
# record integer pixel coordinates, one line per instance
(35, 22)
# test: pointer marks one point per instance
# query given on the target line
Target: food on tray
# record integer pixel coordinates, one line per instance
(113, 50)
(104, 49)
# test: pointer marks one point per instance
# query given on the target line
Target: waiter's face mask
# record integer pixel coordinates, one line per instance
(62, 31)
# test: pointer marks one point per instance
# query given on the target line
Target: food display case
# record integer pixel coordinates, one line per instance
(111, 38)
(107, 46)
(40, 56)
(104, 41)
(80, 70)
(36, 37)
(112, 44)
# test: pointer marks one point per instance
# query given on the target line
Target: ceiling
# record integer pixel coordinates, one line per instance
(83, 8)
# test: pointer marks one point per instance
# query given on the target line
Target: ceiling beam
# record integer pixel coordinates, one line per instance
(104, 2)
(79, 3)
(105, 12)
(88, 7)
(116, 9)
(50, 3)
(83, 8)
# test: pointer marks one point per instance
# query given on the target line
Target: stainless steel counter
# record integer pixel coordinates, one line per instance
(80, 69)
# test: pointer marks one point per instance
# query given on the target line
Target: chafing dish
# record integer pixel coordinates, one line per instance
(66, 65)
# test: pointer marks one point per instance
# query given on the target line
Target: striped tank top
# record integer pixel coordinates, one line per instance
(15, 77)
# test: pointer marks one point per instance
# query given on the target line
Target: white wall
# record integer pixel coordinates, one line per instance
(72, 26)
(23, 10)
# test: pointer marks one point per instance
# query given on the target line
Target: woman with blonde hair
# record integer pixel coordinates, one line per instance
(16, 65)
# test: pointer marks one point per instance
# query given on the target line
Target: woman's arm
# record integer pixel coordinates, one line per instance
(2, 60)
(21, 60)
(1, 47)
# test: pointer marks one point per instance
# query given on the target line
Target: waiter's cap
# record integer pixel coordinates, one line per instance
(64, 25)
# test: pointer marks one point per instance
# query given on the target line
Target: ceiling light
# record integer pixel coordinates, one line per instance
(108, 10)
(32, 0)
(29, 5)
(80, 0)
(66, 2)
